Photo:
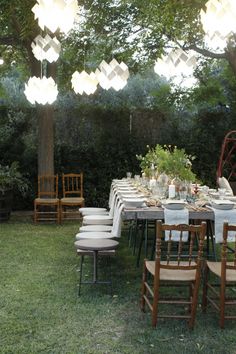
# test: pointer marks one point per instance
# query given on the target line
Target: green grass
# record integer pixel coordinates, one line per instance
(40, 311)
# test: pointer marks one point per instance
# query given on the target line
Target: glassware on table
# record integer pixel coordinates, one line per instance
(183, 190)
(222, 193)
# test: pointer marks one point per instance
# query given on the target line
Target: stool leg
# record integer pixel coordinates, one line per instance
(81, 270)
(95, 270)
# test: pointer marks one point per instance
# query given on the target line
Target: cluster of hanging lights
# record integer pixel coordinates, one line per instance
(46, 48)
(53, 14)
(60, 14)
(178, 65)
(113, 75)
(84, 82)
(218, 21)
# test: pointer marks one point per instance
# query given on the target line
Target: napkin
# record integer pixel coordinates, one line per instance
(220, 217)
(117, 220)
(174, 217)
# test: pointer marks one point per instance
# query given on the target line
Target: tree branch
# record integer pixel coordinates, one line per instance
(9, 40)
(206, 52)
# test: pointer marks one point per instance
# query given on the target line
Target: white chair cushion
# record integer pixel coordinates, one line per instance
(92, 210)
(97, 220)
(95, 228)
(92, 235)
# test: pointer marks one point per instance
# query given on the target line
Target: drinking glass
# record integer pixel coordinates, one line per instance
(222, 192)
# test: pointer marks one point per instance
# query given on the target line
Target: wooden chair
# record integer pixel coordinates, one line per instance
(217, 294)
(177, 266)
(72, 187)
(47, 205)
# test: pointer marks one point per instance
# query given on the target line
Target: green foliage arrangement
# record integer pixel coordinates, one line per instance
(170, 160)
(12, 179)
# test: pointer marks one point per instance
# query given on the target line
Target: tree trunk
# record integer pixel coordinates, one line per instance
(45, 140)
(231, 56)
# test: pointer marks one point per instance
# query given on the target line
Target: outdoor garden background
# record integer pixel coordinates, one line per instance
(101, 135)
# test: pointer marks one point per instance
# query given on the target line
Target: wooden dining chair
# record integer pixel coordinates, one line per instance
(72, 200)
(176, 264)
(47, 204)
(218, 291)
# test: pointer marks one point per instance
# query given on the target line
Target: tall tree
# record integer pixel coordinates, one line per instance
(18, 31)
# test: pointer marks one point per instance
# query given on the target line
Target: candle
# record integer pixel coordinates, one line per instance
(171, 191)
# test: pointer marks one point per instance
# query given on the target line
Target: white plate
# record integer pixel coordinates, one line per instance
(222, 204)
(133, 202)
(174, 204)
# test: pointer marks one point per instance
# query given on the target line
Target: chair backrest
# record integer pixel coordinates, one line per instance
(72, 185)
(48, 186)
(172, 254)
(228, 251)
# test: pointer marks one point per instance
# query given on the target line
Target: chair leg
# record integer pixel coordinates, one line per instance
(194, 303)
(35, 213)
(155, 301)
(143, 290)
(205, 288)
(222, 304)
(58, 213)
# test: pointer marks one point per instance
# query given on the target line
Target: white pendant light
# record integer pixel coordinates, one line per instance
(46, 48)
(219, 18)
(84, 82)
(55, 14)
(178, 66)
(112, 75)
(42, 91)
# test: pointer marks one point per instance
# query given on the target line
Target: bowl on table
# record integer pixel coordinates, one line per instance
(134, 202)
(222, 204)
(174, 204)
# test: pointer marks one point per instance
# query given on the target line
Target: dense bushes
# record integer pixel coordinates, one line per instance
(101, 135)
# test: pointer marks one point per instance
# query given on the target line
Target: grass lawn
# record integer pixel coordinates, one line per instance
(40, 311)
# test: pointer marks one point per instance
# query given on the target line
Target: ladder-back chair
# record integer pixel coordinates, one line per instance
(176, 264)
(47, 204)
(217, 291)
(72, 187)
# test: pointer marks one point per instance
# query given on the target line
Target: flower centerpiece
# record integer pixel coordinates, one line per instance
(168, 159)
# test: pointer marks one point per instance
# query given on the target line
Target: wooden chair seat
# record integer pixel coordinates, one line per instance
(47, 204)
(72, 201)
(172, 274)
(215, 267)
(46, 200)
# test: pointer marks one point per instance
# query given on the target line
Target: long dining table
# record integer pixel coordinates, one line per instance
(196, 214)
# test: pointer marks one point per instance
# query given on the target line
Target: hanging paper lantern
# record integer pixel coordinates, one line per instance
(46, 48)
(42, 91)
(178, 65)
(55, 14)
(83, 82)
(219, 18)
(112, 75)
